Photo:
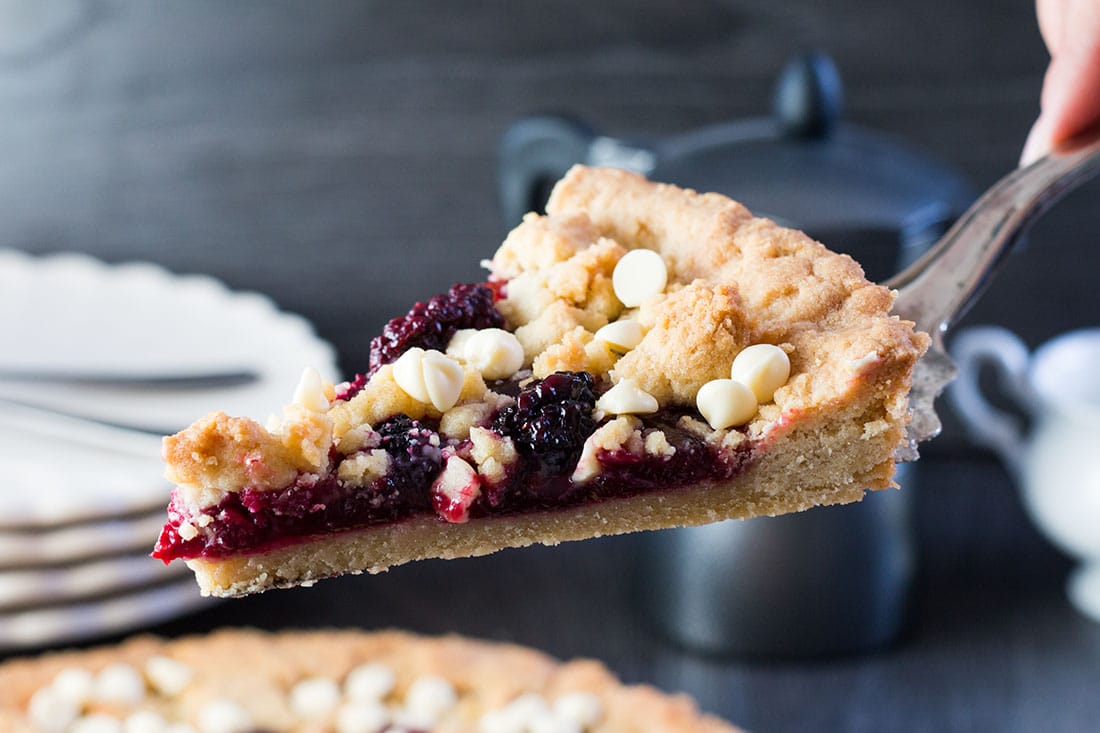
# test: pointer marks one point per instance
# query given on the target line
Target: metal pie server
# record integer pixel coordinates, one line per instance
(936, 290)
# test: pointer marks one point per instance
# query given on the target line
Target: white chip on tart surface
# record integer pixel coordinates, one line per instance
(621, 335)
(494, 352)
(726, 403)
(640, 274)
(430, 377)
(627, 398)
(763, 368)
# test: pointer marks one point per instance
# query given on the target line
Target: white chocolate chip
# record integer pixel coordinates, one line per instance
(621, 335)
(494, 352)
(96, 723)
(460, 484)
(179, 728)
(725, 403)
(456, 347)
(582, 708)
(362, 716)
(443, 378)
(638, 276)
(627, 398)
(763, 368)
(369, 682)
(144, 721)
(430, 377)
(409, 375)
(551, 723)
(310, 393)
(167, 676)
(427, 700)
(499, 721)
(314, 697)
(224, 716)
(119, 683)
(515, 717)
(50, 712)
(74, 685)
(187, 531)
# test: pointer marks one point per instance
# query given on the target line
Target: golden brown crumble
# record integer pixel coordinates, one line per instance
(257, 673)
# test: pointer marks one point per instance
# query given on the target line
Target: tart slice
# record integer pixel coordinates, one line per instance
(239, 681)
(643, 356)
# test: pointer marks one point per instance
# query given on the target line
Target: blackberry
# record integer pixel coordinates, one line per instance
(551, 419)
(430, 325)
(416, 455)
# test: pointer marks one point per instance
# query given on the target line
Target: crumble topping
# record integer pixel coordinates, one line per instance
(493, 453)
(363, 469)
(692, 336)
(577, 350)
(622, 433)
(540, 242)
(219, 454)
(656, 444)
(550, 327)
(339, 682)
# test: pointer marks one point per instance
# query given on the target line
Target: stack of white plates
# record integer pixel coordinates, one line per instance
(84, 348)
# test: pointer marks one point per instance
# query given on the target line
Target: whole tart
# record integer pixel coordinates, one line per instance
(242, 681)
(643, 356)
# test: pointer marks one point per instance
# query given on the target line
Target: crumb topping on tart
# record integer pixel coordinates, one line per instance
(638, 335)
(238, 681)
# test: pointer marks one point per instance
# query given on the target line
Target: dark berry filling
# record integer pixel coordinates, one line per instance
(431, 325)
(549, 424)
(622, 473)
(253, 518)
(551, 419)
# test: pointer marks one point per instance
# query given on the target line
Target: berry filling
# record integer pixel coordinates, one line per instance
(427, 474)
(431, 325)
(253, 520)
(551, 419)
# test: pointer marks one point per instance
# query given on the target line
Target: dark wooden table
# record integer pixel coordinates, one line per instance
(340, 157)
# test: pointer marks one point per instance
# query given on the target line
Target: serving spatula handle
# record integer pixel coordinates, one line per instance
(936, 290)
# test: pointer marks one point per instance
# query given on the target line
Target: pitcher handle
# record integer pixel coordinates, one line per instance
(986, 424)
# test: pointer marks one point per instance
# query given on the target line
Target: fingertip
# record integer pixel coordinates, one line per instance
(1038, 142)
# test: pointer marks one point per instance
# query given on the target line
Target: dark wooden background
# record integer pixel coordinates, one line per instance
(341, 157)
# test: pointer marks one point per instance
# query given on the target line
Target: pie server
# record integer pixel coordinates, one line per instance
(937, 290)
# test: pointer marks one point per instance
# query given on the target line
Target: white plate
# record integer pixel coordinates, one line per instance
(77, 542)
(76, 313)
(65, 584)
(80, 621)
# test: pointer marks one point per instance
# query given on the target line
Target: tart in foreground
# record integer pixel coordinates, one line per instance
(641, 357)
(241, 681)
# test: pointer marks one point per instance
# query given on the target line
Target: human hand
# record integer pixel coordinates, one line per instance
(1070, 101)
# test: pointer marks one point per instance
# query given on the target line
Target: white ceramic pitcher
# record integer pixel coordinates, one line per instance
(1057, 461)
